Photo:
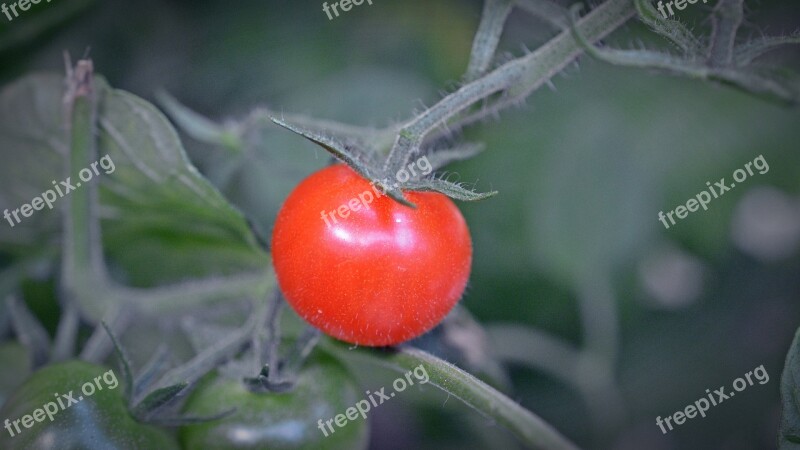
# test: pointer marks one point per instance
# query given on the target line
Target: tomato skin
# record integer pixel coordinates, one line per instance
(380, 276)
(99, 421)
(286, 420)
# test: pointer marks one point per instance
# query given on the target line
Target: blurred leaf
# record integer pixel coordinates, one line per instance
(149, 373)
(203, 335)
(789, 434)
(450, 189)
(258, 180)
(272, 162)
(217, 353)
(158, 399)
(127, 374)
(601, 171)
(197, 126)
(156, 203)
(153, 201)
(596, 199)
(32, 136)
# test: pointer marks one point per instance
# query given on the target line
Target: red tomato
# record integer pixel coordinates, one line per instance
(363, 268)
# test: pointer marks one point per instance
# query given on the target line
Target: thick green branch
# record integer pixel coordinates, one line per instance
(487, 37)
(518, 78)
(528, 427)
(84, 273)
(82, 265)
(725, 23)
(548, 10)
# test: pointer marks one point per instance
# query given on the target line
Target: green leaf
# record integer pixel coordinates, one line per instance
(148, 375)
(360, 160)
(258, 178)
(200, 127)
(157, 400)
(221, 351)
(32, 136)
(154, 202)
(448, 188)
(347, 152)
(127, 374)
(789, 433)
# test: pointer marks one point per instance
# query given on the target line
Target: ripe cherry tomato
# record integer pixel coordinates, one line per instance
(362, 267)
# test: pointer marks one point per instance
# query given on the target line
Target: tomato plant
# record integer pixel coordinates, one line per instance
(170, 236)
(374, 273)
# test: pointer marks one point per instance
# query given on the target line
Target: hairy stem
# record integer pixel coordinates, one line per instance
(725, 23)
(487, 37)
(518, 77)
(82, 265)
(529, 428)
(84, 273)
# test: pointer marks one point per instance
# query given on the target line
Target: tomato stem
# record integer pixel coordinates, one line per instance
(517, 78)
(528, 427)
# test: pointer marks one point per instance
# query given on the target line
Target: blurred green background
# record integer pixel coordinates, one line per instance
(582, 169)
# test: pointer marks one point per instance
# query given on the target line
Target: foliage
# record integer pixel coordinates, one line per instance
(158, 239)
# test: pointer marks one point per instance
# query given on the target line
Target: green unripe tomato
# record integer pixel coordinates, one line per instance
(75, 405)
(286, 420)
